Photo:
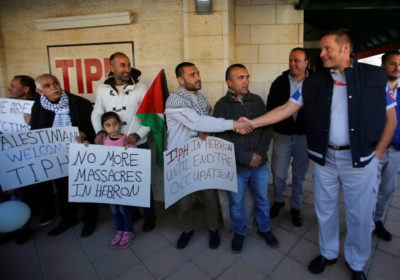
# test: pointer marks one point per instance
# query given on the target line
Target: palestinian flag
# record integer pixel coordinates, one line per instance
(151, 111)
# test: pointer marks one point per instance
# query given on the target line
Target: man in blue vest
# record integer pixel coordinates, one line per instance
(390, 162)
(350, 120)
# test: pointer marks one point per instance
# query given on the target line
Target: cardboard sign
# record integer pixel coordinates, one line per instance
(107, 174)
(81, 68)
(12, 114)
(34, 156)
(198, 165)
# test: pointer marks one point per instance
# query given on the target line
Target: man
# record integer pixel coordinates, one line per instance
(21, 87)
(187, 115)
(251, 157)
(290, 141)
(122, 93)
(390, 161)
(55, 107)
(350, 120)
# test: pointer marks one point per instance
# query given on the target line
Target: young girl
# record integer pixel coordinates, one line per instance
(111, 124)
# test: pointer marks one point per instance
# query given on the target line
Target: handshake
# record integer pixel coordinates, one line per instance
(243, 126)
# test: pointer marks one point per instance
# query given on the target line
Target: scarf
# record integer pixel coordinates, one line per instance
(183, 99)
(61, 110)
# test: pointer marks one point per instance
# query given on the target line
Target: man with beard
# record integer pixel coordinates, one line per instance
(350, 120)
(122, 93)
(251, 157)
(390, 162)
(187, 115)
(55, 107)
(290, 142)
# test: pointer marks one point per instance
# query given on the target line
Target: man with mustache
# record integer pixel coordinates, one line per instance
(54, 107)
(390, 162)
(122, 93)
(290, 142)
(350, 120)
(187, 115)
(251, 157)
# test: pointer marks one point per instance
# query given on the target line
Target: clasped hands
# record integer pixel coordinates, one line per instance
(243, 126)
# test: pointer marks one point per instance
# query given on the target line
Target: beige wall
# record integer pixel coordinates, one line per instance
(266, 30)
(157, 33)
(257, 33)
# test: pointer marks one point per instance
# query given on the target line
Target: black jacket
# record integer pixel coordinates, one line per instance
(245, 145)
(366, 92)
(279, 94)
(80, 110)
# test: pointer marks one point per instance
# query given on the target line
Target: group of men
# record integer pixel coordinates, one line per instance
(343, 118)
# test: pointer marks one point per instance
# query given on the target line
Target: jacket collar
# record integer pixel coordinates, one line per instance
(135, 74)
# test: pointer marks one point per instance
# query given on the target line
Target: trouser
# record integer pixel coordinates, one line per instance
(69, 210)
(147, 211)
(388, 176)
(122, 217)
(257, 180)
(286, 147)
(210, 202)
(360, 191)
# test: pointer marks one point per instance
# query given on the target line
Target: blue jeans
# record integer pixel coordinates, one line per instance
(122, 217)
(287, 147)
(257, 180)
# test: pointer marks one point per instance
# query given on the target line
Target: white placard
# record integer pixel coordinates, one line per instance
(12, 114)
(34, 156)
(107, 174)
(198, 165)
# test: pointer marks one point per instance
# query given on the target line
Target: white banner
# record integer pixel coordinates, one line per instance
(198, 165)
(107, 174)
(34, 156)
(12, 114)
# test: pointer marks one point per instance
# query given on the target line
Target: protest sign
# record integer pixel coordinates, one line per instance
(12, 114)
(34, 156)
(108, 174)
(197, 165)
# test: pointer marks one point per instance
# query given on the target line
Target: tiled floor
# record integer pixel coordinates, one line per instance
(154, 256)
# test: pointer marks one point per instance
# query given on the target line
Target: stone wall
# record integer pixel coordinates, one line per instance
(266, 30)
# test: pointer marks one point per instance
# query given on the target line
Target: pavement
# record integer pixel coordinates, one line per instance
(153, 255)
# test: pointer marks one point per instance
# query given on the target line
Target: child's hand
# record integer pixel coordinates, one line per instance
(86, 143)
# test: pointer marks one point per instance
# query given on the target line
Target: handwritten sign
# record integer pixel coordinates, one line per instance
(197, 165)
(34, 156)
(106, 174)
(12, 114)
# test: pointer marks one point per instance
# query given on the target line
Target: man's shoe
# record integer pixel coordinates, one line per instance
(356, 274)
(62, 226)
(318, 264)
(88, 229)
(45, 219)
(237, 243)
(149, 223)
(274, 211)
(382, 232)
(214, 239)
(297, 219)
(184, 239)
(269, 238)
(23, 236)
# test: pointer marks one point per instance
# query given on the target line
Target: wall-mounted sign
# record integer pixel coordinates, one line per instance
(82, 67)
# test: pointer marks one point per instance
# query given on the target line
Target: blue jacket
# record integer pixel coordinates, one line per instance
(366, 91)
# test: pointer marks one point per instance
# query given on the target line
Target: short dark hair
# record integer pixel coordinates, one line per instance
(26, 81)
(386, 56)
(179, 68)
(109, 115)
(342, 36)
(229, 70)
(112, 57)
(301, 50)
